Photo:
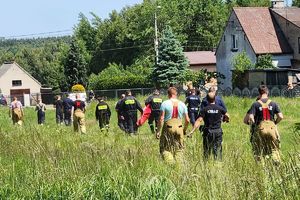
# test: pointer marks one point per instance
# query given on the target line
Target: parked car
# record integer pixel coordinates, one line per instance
(3, 101)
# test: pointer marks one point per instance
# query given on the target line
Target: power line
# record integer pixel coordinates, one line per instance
(39, 34)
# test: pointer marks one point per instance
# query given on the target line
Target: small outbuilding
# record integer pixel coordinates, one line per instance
(199, 60)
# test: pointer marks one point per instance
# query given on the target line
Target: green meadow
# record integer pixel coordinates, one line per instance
(53, 162)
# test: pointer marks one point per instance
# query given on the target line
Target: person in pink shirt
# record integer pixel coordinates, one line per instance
(16, 112)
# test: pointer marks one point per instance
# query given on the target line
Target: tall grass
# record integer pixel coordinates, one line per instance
(52, 162)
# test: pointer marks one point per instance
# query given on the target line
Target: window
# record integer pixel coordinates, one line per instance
(234, 46)
(16, 83)
(299, 45)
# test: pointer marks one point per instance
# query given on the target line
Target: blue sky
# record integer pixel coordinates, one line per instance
(23, 17)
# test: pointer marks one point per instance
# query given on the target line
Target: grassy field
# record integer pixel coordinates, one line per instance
(52, 162)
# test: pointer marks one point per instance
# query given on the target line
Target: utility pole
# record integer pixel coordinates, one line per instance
(156, 35)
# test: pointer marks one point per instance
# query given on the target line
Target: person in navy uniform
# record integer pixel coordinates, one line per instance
(193, 103)
(103, 114)
(154, 101)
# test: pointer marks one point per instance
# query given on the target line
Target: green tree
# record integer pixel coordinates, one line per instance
(75, 66)
(296, 3)
(264, 62)
(240, 62)
(172, 63)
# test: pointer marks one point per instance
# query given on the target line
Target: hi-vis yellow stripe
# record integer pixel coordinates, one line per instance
(103, 107)
(129, 102)
(157, 100)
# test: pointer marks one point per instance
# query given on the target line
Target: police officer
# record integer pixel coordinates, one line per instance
(67, 104)
(212, 116)
(129, 107)
(218, 99)
(266, 139)
(59, 110)
(154, 101)
(103, 114)
(78, 111)
(193, 101)
(171, 138)
(121, 121)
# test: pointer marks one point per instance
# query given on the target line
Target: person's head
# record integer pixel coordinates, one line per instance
(77, 96)
(15, 99)
(172, 92)
(58, 97)
(128, 93)
(68, 95)
(263, 90)
(156, 92)
(122, 96)
(212, 89)
(39, 100)
(100, 99)
(211, 96)
(193, 91)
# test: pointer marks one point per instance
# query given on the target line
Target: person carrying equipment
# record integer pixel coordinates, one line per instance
(121, 121)
(67, 105)
(154, 101)
(103, 114)
(212, 116)
(59, 110)
(40, 108)
(266, 139)
(78, 111)
(16, 112)
(172, 135)
(129, 107)
(193, 101)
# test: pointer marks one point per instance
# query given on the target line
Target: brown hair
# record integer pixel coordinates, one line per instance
(211, 97)
(263, 89)
(172, 91)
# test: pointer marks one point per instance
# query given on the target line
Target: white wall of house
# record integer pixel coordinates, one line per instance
(225, 53)
(15, 73)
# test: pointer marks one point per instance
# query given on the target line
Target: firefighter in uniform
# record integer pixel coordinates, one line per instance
(16, 112)
(129, 107)
(154, 101)
(265, 139)
(193, 101)
(78, 111)
(121, 121)
(212, 115)
(172, 134)
(103, 114)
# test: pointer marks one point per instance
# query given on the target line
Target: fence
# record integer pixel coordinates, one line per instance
(48, 98)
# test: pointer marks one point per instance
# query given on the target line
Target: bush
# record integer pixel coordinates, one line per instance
(78, 88)
(116, 77)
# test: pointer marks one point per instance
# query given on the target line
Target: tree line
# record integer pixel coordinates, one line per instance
(119, 51)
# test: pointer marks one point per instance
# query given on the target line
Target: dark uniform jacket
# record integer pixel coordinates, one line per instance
(67, 104)
(102, 108)
(155, 102)
(212, 116)
(130, 104)
(193, 102)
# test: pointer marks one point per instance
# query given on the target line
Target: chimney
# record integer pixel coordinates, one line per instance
(277, 4)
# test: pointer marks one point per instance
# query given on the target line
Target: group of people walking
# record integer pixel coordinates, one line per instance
(169, 120)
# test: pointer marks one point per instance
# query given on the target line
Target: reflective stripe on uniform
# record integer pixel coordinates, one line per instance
(103, 107)
(157, 100)
(130, 102)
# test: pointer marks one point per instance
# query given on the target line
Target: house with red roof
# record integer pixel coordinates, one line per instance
(259, 31)
(200, 60)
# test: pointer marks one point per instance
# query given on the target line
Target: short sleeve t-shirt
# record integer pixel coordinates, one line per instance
(16, 104)
(256, 110)
(79, 105)
(212, 116)
(167, 108)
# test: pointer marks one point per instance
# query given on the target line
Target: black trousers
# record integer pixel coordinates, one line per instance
(103, 120)
(193, 115)
(154, 117)
(59, 117)
(212, 142)
(121, 123)
(67, 114)
(41, 117)
(130, 120)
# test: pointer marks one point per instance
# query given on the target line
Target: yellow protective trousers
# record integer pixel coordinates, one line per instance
(17, 116)
(79, 121)
(266, 141)
(172, 141)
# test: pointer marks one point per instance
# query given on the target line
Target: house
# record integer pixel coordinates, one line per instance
(260, 31)
(15, 81)
(199, 60)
